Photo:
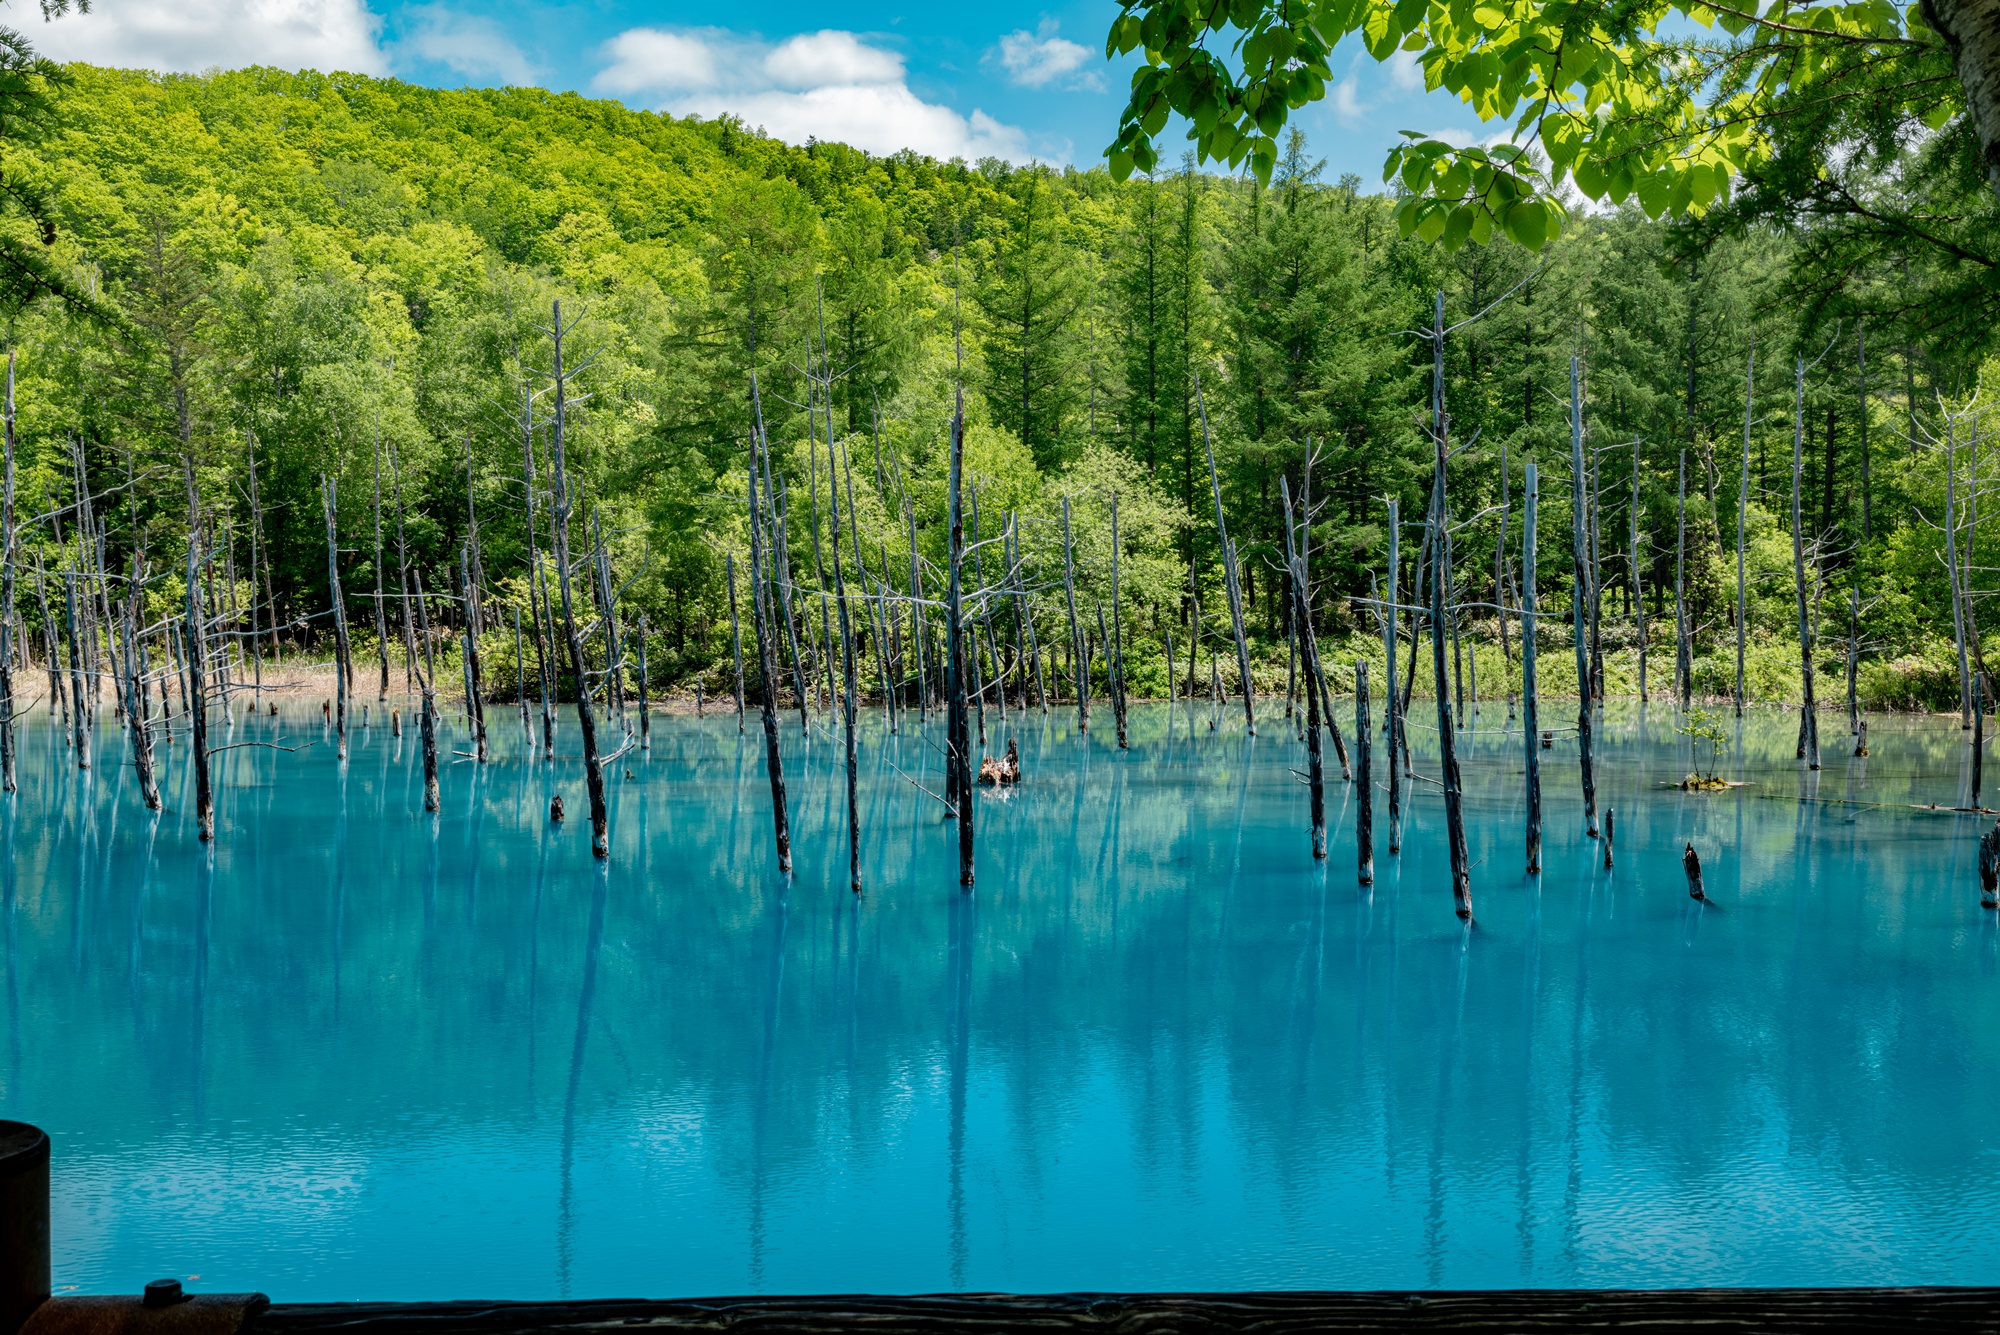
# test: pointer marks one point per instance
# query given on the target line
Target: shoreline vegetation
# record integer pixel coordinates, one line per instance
(301, 678)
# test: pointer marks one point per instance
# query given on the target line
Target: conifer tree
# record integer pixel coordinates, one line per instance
(1031, 298)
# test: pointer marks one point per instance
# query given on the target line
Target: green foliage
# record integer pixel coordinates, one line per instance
(339, 276)
(1665, 104)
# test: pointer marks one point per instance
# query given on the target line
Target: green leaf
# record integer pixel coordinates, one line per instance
(1415, 169)
(1655, 191)
(1527, 224)
(1702, 184)
(1618, 181)
(1263, 157)
(1457, 227)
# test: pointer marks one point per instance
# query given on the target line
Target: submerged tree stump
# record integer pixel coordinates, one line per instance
(1989, 868)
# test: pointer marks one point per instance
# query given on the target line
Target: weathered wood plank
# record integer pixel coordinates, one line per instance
(1926, 1309)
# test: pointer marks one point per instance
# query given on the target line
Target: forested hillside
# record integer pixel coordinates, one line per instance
(350, 278)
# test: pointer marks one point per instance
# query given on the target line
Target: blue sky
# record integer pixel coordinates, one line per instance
(972, 78)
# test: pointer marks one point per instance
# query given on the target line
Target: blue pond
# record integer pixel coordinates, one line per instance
(360, 1053)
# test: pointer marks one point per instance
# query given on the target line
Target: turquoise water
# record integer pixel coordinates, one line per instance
(362, 1053)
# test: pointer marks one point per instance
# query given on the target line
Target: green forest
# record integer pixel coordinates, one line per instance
(273, 287)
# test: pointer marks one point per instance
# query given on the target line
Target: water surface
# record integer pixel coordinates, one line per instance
(358, 1052)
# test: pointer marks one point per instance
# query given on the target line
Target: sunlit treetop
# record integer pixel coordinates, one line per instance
(1664, 103)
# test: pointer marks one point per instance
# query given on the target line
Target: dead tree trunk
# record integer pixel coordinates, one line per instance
(851, 682)
(197, 676)
(381, 611)
(1440, 524)
(1530, 722)
(475, 682)
(538, 590)
(80, 716)
(878, 609)
(1978, 737)
(136, 709)
(9, 760)
(1580, 559)
(1853, 657)
(427, 715)
(1638, 575)
(58, 699)
(961, 737)
(1596, 577)
(736, 632)
(767, 676)
(1229, 580)
(1076, 654)
(593, 771)
(782, 571)
(329, 503)
(917, 613)
(1683, 648)
(1951, 569)
(1392, 716)
(1116, 648)
(1315, 761)
(521, 684)
(1742, 516)
(1500, 583)
(1364, 744)
(646, 705)
(1809, 725)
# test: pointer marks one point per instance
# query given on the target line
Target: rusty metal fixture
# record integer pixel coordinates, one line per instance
(24, 1222)
(164, 1310)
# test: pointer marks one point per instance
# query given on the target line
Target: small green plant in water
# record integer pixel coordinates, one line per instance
(1705, 725)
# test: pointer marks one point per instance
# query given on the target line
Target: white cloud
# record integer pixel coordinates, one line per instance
(1406, 72)
(1345, 101)
(474, 47)
(1038, 59)
(167, 35)
(814, 60)
(653, 60)
(827, 85)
